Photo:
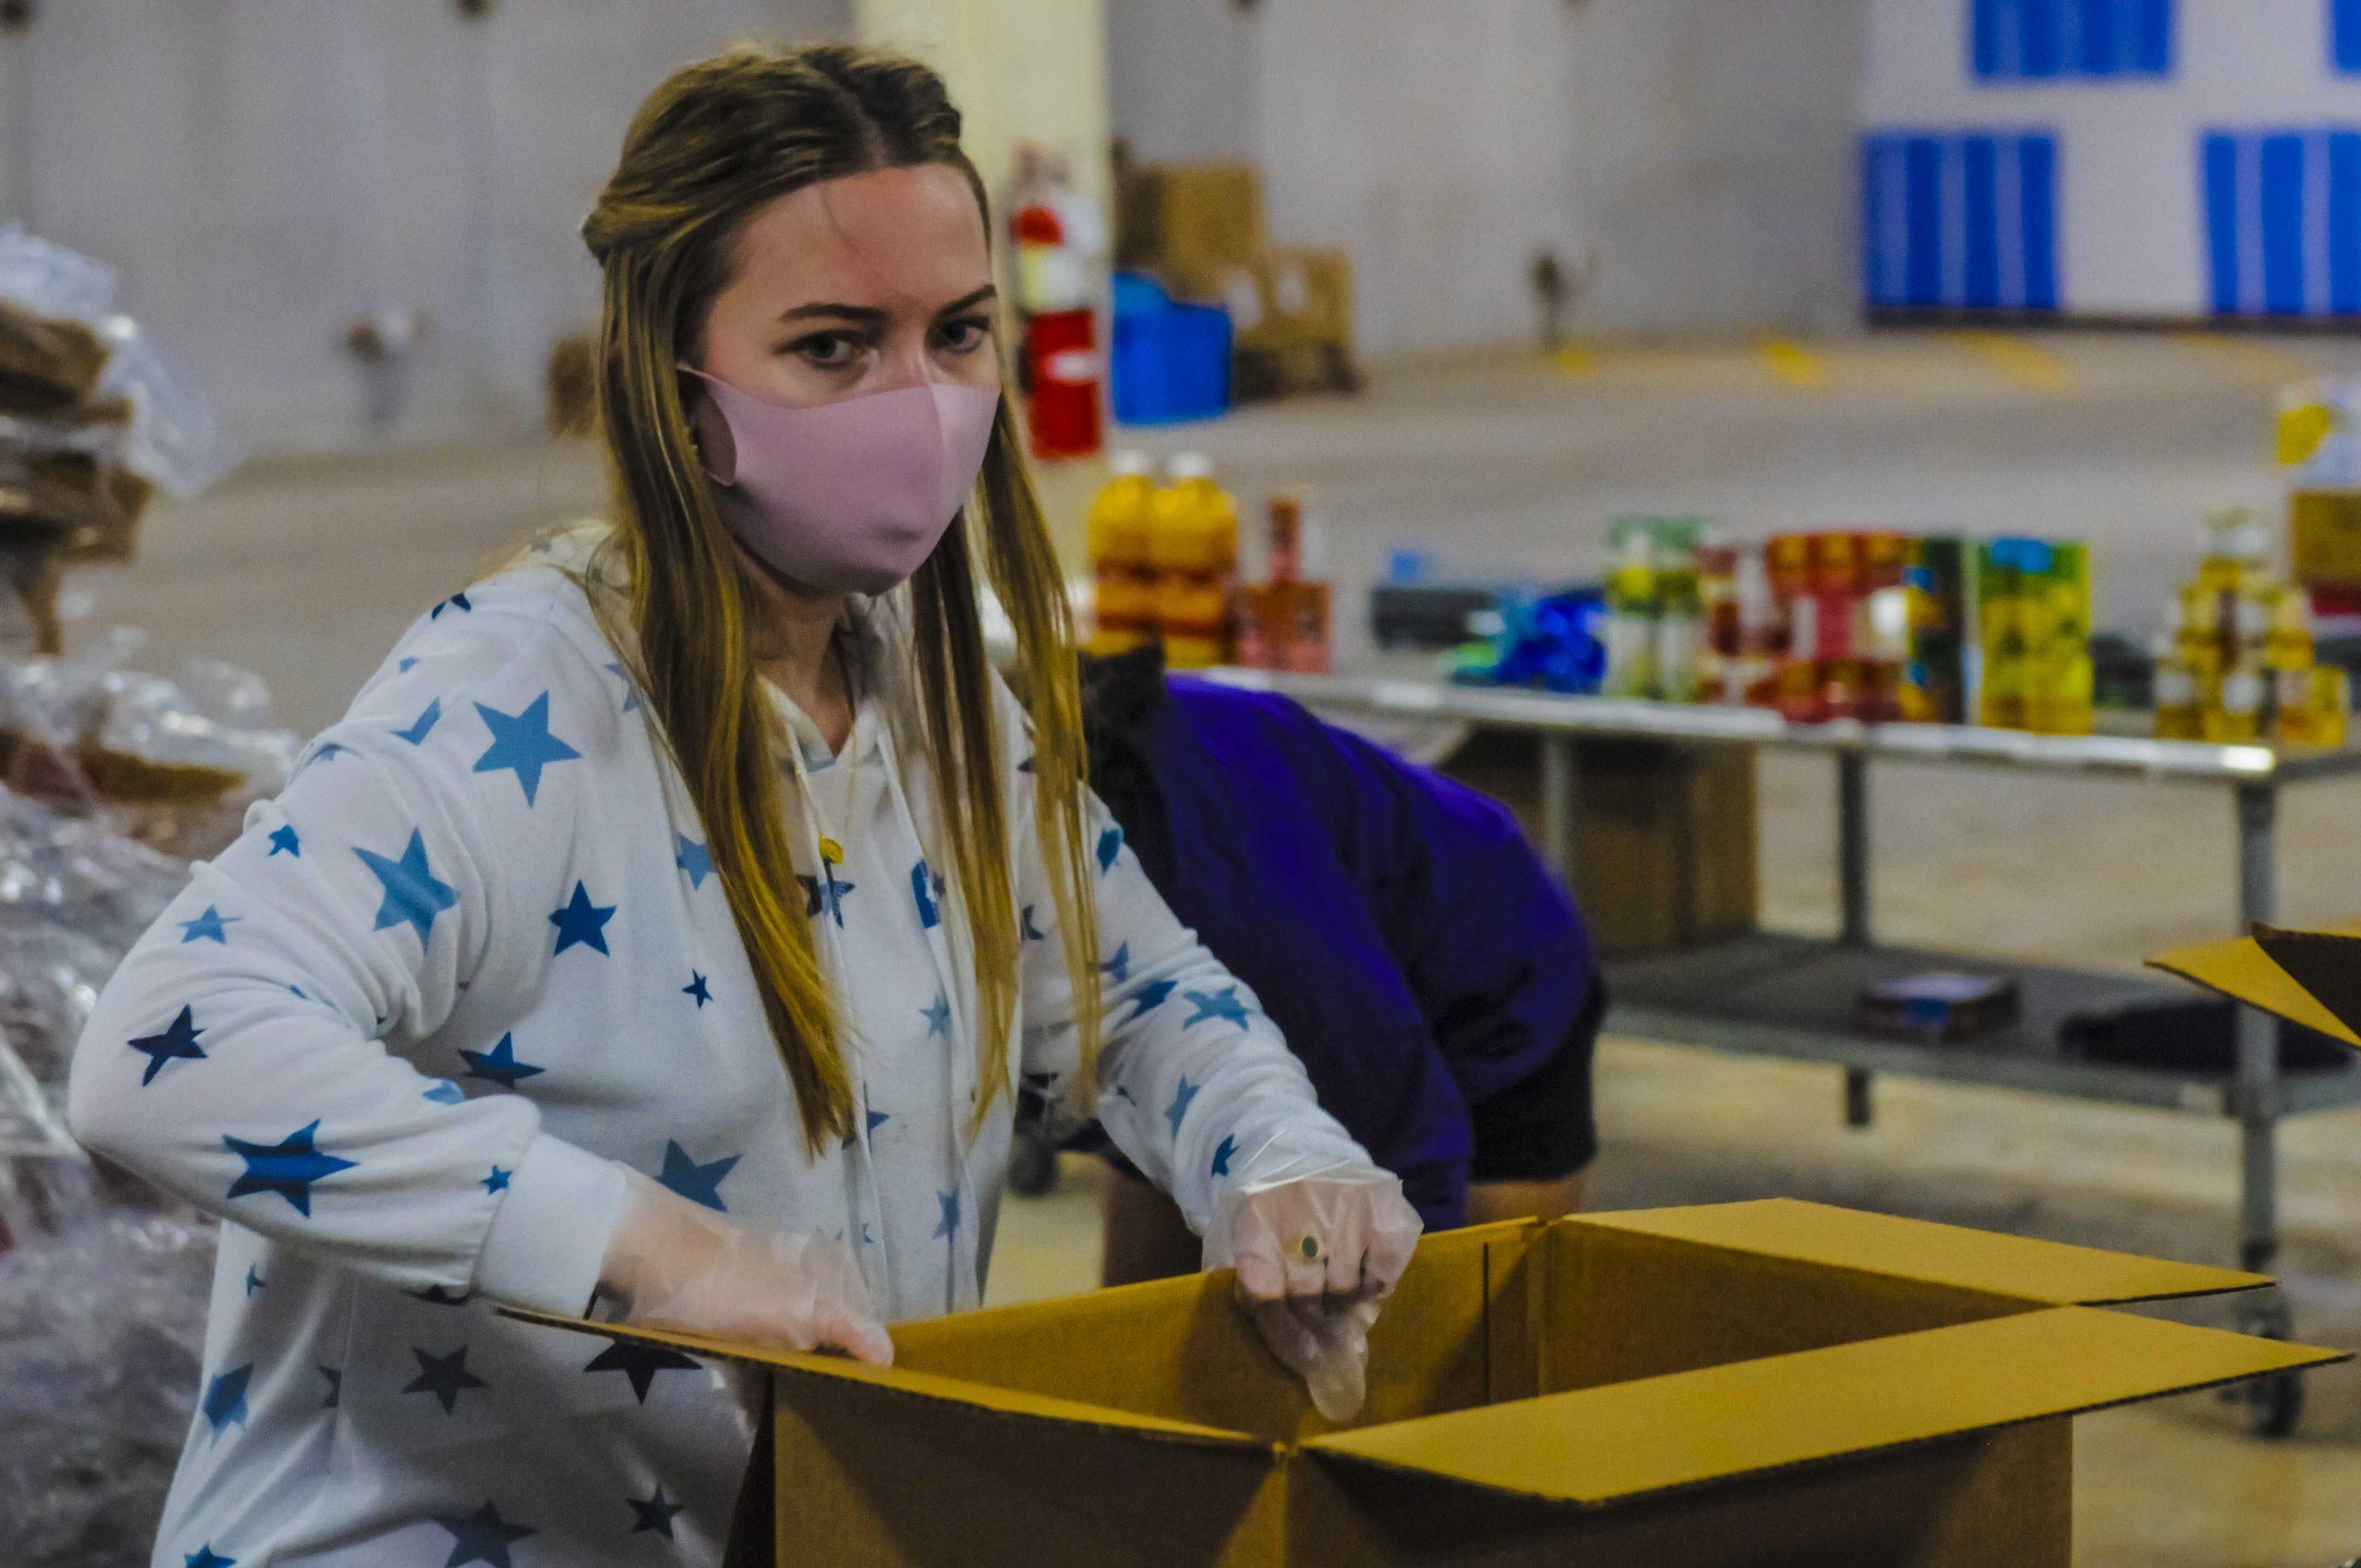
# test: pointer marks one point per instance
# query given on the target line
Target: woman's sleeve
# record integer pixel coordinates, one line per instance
(239, 1057)
(1195, 1085)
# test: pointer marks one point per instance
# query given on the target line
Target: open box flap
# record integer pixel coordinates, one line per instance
(2030, 1270)
(1599, 1446)
(2312, 978)
(924, 1385)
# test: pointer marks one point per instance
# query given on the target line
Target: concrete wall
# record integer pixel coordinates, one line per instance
(2132, 222)
(265, 172)
(1701, 149)
(1180, 75)
(1713, 162)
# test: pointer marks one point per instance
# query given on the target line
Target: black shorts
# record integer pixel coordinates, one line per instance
(1540, 1128)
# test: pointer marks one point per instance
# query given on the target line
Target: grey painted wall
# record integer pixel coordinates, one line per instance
(1701, 149)
(1714, 162)
(1181, 80)
(265, 172)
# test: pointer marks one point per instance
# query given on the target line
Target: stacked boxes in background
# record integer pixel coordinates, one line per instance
(1189, 221)
(2241, 664)
(1199, 229)
(2033, 605)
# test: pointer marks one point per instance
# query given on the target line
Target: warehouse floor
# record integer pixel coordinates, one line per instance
(306, 571)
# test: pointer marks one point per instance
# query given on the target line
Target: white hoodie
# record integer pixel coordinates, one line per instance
(406, 1033)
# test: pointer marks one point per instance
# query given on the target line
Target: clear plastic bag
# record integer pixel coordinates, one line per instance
(101, 1328)
(172, 439)
(177, 761)
(102, 1295)
(75, 892)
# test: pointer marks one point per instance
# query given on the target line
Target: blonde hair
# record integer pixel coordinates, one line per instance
(709, 147)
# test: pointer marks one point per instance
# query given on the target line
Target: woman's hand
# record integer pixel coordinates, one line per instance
(677, 1264)
(1315, 1257)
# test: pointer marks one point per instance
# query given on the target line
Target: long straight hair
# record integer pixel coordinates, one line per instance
(712, 146)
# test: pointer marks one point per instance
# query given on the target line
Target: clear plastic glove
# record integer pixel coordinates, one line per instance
(675, 1264)
(1315, 1254)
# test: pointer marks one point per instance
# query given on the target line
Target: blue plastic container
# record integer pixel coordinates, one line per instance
(1171, 360)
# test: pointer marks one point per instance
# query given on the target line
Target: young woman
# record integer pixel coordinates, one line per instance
(671, 919)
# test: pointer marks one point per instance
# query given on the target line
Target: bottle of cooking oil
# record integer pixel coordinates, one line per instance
(1122, 521)
(1192, 547)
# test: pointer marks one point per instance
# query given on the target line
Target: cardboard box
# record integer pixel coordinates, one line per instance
(1180, 218)
(1757, 1383)
(1282, 300)
(1306, 298)
(1666, 854)
(2312, 978)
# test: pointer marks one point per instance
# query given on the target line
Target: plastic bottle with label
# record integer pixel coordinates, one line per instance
(1193, 550)
(1116, 537)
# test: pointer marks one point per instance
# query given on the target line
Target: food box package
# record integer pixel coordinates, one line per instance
(1741, 1384)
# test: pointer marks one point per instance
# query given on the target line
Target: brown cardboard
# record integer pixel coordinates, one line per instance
(1664, 837)
(1304, 299)
(2312, 978)
(1753, 1384)
(1181, 216)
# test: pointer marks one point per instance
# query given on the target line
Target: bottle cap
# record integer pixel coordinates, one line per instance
(1131, 464)
(1192, 465)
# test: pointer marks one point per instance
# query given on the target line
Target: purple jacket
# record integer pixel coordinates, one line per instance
(1395, 925)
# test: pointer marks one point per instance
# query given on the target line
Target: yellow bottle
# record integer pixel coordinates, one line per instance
(1117, 536)
(2180, 712)
(1193, 547)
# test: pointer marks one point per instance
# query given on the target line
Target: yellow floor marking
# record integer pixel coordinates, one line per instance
(1576, 359)
(1790, 362)
(2249, 360)
(2017, 360)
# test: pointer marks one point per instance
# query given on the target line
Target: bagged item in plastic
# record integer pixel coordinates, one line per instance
(176, 760)
(56, 306)
(101, 1328)
(47, 367)
(75, 892)
(76, 504)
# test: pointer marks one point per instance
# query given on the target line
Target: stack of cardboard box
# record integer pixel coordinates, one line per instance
(1199, 229)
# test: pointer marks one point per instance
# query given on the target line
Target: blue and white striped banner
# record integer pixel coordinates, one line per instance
(2282, 220)
(1959, 220)
(2046, 39)
(2344, 35)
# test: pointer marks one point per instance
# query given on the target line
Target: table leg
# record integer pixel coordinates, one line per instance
(1558, 804)
(2258, 1096)
(1853, 897)
(1853, 846)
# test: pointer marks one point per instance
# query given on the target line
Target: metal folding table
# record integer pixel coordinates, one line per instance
(1774, 994)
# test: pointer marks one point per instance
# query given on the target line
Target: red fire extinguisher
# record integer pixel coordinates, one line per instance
(1052, 231)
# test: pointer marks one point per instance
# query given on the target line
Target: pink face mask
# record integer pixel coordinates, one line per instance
(847, 497)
